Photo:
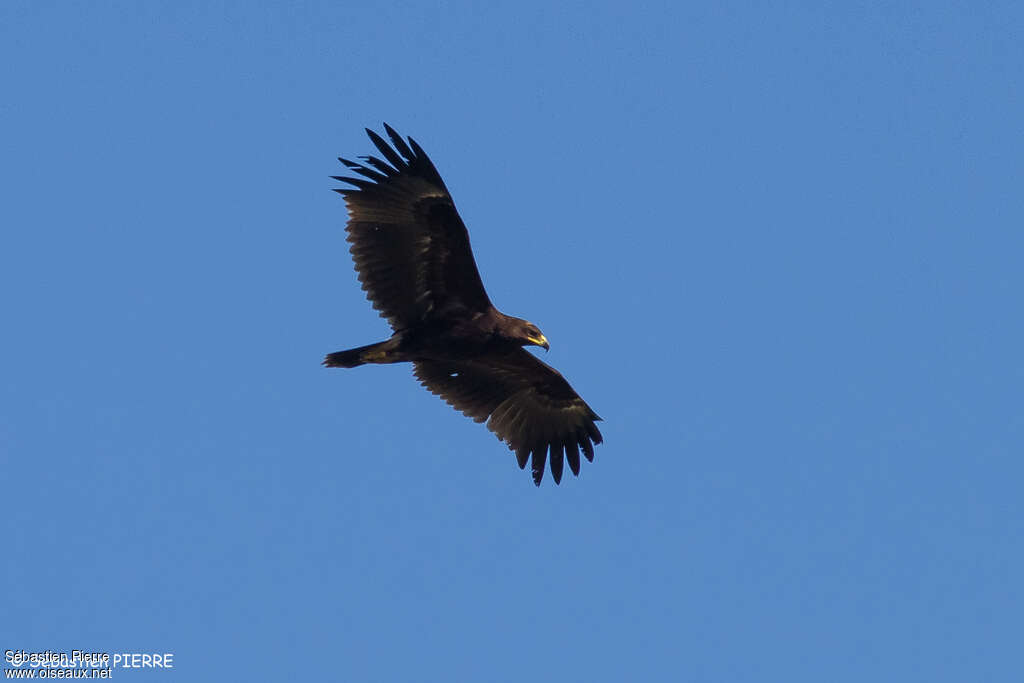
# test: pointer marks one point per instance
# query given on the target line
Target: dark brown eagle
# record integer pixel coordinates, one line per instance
(412, 253)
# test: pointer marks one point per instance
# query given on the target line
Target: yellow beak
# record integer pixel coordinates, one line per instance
(540, 341)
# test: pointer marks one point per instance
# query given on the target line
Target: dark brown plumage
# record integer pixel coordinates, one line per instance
(412, 253)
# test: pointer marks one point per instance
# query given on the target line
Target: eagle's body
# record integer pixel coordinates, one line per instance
(452, 338)
(412, 253)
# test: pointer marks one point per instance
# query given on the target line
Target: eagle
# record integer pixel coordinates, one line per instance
(411, 251)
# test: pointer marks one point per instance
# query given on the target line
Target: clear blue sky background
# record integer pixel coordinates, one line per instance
(777, 246)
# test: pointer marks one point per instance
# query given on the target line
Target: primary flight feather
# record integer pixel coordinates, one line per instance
(412, 253)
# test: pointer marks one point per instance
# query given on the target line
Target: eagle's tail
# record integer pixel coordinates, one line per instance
(371, 353)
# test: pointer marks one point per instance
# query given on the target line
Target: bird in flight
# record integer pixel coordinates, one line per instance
(411, 251)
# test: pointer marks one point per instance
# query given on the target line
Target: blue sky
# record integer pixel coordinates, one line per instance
(777, 246)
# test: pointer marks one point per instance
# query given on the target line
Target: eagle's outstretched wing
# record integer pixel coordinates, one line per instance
(530, 405)
(410, 246)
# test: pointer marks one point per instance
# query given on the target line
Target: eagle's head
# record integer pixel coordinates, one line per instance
(528, 334)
